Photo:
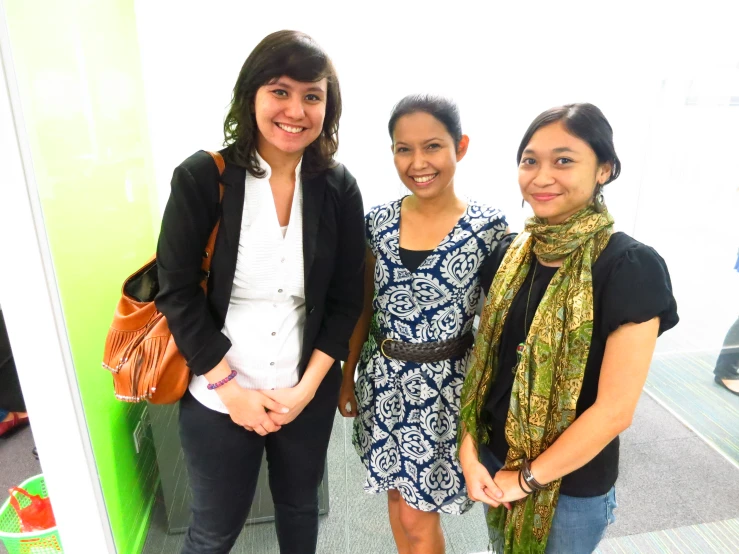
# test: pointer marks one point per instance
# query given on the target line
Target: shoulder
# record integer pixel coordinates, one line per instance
(484, 213)
(635, 284)
(487, 222)
(197, 175)
(384, 212)
(626, 257)
(382, 216)
(339, 180)
(200, 166)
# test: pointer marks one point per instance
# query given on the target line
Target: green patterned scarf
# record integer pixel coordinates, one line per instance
(550, 369)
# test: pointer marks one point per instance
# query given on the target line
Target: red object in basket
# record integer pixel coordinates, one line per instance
(37, 516)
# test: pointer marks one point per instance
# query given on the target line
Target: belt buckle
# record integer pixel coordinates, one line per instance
(382, 348)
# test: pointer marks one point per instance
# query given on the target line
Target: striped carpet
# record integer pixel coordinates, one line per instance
(683, 383)
(721, 537)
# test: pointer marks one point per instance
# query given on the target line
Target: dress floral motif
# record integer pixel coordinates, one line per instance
(406, 428)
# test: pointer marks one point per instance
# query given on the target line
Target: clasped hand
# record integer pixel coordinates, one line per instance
(266, 411)
(494, 491)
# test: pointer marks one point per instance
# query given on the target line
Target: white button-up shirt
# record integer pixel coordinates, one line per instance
(266, 313)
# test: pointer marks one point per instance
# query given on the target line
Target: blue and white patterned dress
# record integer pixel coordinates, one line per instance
(406, 428)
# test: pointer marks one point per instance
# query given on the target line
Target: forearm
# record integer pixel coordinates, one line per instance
(467, 449)
(317, 368)
(361, 329)
(580, 443)
(623, 373)
(356, 342)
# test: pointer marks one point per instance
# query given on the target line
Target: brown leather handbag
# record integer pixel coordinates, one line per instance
(139, 349)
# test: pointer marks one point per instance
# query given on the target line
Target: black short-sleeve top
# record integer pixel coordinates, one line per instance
(631, 284)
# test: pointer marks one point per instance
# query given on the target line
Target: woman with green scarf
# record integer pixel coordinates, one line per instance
(564, 346)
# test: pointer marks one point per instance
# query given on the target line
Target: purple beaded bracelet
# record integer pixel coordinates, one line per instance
(214, 386)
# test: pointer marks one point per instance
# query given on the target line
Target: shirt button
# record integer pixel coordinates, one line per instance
(279, 290)
(282, 261)
(271, 363)
(273, 333)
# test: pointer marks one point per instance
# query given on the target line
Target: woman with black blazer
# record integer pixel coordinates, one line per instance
(284, 293)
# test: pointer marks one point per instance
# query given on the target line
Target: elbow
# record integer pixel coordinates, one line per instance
(621, 422)
(615, 419)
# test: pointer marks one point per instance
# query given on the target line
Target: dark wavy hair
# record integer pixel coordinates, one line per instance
(586, 122)
(299, 57)
(443, 109)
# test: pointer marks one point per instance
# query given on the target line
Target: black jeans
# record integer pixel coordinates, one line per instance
(223, 462)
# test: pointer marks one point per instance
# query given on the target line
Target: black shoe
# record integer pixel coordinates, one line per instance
(720, 381)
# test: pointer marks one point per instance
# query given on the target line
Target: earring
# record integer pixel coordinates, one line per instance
(599, 199)
(523, 202)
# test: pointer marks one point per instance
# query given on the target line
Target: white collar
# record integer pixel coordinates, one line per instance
(264, 166)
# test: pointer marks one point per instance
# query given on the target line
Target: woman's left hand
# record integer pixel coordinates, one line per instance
(507, 481)
(295, 398)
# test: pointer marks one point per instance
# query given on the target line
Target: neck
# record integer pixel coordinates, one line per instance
(553, 263)
(445, 202)
(561, 218)
(281, 163)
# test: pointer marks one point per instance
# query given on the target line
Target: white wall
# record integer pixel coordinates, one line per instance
(503, 63)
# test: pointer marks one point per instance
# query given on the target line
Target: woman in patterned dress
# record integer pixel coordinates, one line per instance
(425, 257)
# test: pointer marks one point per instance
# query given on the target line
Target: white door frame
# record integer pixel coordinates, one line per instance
(33, 313)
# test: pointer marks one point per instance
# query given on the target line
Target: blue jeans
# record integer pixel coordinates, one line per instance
(579, 523)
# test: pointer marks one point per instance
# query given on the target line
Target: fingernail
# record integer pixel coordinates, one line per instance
(285, 410)
(498, 493)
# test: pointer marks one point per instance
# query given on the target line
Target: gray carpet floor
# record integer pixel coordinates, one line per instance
(669, 479)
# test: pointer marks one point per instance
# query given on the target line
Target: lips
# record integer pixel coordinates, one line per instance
(424, 180)
(544, 197)
(290, 129)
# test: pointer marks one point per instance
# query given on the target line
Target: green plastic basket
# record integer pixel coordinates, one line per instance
(36, 542)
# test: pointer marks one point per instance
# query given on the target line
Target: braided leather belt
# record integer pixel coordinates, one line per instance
(425, 352)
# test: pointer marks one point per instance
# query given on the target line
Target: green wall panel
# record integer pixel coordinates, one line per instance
(79, 75)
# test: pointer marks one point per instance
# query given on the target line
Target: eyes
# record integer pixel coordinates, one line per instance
(434, 146)
(529, 162)
(310, 97)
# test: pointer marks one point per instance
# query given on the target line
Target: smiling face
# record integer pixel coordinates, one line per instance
(289, 115)
(558, 173)
(425, 155)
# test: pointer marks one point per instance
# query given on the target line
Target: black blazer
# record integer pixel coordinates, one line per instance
(333, 255)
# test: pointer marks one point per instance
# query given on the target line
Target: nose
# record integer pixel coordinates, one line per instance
(294, 109)
(543, 177)
(419, 160)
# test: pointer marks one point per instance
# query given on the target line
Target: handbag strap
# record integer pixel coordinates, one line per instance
(210, 247)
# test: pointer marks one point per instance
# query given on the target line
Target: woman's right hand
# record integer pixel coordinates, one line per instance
(480, 485)
(347, 399)
(248, 408)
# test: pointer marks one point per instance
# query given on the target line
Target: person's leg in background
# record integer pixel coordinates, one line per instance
(223, 462)
(727, 365)
(12, 407)
(296, 456)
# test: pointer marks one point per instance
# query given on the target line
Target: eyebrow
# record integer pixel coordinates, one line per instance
(424, 142)
(314, 88)
(559, 150)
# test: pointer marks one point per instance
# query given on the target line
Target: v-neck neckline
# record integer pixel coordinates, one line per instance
(432, 251)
